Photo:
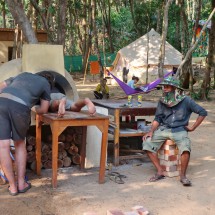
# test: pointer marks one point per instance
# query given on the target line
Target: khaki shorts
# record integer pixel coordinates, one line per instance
(180, 138)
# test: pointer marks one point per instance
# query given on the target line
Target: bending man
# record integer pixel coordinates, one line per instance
(18, 95)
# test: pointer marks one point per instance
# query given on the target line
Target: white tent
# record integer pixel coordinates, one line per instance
(134, 57)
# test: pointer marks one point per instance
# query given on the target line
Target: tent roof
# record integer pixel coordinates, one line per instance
(135, 54)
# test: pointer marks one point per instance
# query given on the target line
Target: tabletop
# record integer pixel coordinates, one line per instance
(122, 104)
(69, 115)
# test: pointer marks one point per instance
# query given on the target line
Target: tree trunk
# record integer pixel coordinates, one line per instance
(163, 40)
(3, 14)
(21, 19)
(210, 66)
(158, 26)
(95, 33)
(190, 51)
(61, 32)
(88, 39)
(133, 17)
(106, 21)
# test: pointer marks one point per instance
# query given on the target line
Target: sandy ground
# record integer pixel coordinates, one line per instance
(79, 192)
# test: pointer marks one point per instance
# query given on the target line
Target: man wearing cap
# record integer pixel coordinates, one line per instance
(172, 122)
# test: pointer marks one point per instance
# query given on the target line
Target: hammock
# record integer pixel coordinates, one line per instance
(143, 89)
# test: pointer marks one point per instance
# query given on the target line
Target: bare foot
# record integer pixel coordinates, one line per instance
(61, 108)
(12, 189)
(91, 107)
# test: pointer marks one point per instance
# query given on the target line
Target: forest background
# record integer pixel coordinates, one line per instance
(92, 27)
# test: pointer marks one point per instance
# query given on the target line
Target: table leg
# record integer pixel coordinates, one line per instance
(83, 147)
(54, 155)
(103, 152)
(38, 145)
(116, 137)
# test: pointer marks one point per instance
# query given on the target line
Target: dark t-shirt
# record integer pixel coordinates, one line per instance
(28, 87)
(177, 117)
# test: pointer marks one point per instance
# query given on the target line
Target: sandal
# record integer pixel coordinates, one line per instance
(11, 193)
(156, 177)
(186, 182)
(25, 189)
(117, 174)
(116, 179)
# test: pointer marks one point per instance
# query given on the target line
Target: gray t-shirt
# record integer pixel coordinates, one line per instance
(59, 96)
(28, 87)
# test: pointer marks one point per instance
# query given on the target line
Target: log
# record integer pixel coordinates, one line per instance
(62, 138)
(76, 159)
(44, 157)
(78, 139)
(69, 138)
(60, 146)
(31, 140)
(50, 155)
(31, 157)
(45, 148)
(73, 150)
(67, 161)
(33, 165)
(59, 163)
(47, 164)
(67, 145)
(29, 148)
(62, 154)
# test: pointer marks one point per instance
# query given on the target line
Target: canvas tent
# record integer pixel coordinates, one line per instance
(134, 57)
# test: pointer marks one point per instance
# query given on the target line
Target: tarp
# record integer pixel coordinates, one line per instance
(75, 63)
(134, 56)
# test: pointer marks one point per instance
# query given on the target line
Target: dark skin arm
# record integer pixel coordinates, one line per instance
(155, 124)
(196, 124)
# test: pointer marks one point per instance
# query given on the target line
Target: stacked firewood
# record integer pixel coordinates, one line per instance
(69, 143)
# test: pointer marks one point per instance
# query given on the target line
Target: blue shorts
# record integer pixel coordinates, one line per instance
(15, 120)
(180, 138)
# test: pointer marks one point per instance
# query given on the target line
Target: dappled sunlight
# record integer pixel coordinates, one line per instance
(201, 174)
(208, 158)
(135, 186)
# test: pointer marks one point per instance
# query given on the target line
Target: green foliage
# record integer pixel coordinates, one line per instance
(122, 27)
(198, 95)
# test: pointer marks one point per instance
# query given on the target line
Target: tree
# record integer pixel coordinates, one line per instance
(210, 66)
(206, 82)
(18, 13)
(163, 40)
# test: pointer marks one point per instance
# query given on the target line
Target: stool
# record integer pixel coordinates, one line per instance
(170, 160)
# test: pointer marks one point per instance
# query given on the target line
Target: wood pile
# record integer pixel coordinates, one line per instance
(69, 144)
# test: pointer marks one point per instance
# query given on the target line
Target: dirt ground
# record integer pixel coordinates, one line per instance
(79, 191)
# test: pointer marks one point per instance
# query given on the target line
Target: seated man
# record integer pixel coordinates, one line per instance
(172, 122)
(60, 103)
(102, 90)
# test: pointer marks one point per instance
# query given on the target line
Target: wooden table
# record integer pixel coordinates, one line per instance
(119, 108)
(58, 125)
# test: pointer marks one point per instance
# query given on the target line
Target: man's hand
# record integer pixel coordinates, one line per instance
(196, 124)
(149, 134)
(189, 129)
